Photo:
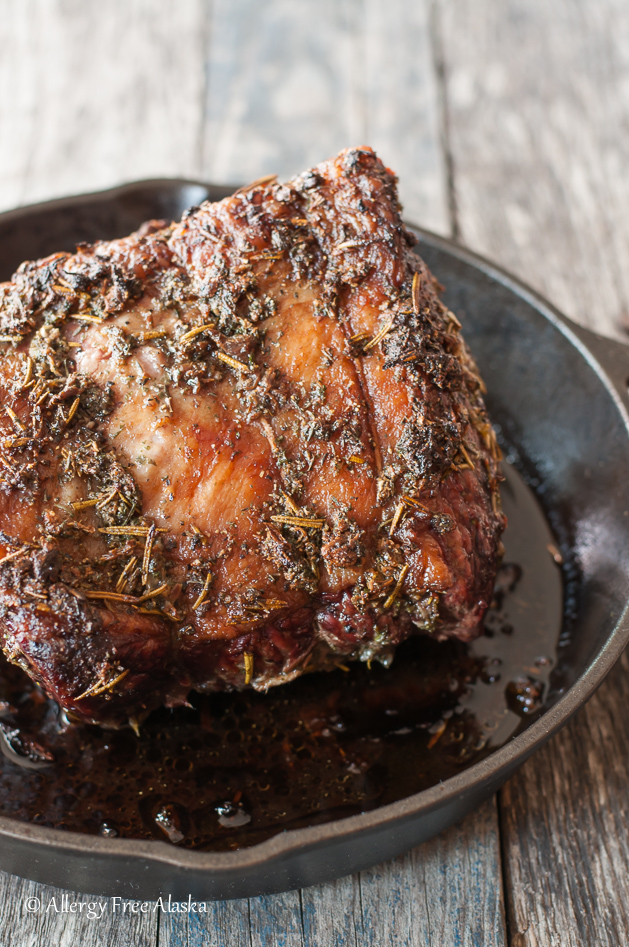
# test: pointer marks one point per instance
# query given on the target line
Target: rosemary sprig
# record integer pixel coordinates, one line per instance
(17, 424)
(74, 407)
(13, 555)
(397, 588)
(232, 362)
(379, 335)
(188, 336)
(127, 599)
(153, 593)
(29, 372)
(148, 549)
(113, 596)
(82, 318)
(203, 595)
(399, 510)
(303, 521)
(122, 581)
(99, 687)
(469, 463)
(346, 245)
(415, 293)
(105, 499)
(290, 503)
(85, 504)
(128, 530)
(269, 433)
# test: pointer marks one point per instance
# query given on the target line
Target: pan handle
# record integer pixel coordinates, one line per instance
(612, 354)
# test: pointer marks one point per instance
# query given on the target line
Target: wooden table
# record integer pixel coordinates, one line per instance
(508, 124)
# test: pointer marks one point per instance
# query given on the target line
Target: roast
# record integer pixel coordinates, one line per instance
(237, 448)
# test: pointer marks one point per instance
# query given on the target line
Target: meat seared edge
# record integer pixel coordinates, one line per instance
(239, 447)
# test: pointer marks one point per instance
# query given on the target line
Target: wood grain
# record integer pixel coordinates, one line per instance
(58, 920)
(332, 914)
(91, 96)
(283, 86)
(538, 107)
(538, 114)
(564, 821)
(226, 924)
(447, 891)
(292, 83)
(275, 921)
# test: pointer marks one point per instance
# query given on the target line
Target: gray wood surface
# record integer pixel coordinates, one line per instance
(538, 112)
(564, 830)
(312, 77)
(94, 94)
(34, 915)
(506, 121)
(447, 891)
(538, 109)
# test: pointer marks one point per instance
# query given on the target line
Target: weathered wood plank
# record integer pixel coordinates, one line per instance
(93, 95)
(272, 921)
(538, 108)
(403, 107)
(86, 102)
(332, 914)
(311, 78)
(447, 891)
(564, 819)
(284, 86)
(226, 924)
(275, 921)
(34, 914)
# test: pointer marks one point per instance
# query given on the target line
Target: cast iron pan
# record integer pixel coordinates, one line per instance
(559, 395)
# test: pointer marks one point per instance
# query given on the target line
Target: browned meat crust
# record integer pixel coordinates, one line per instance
(238, 447)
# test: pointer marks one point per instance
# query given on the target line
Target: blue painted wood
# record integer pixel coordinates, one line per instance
(447, 891)
(275, 920)
(332, 914)
(34, 914)
(226, 924)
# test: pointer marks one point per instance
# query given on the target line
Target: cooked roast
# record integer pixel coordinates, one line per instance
(237, 448)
